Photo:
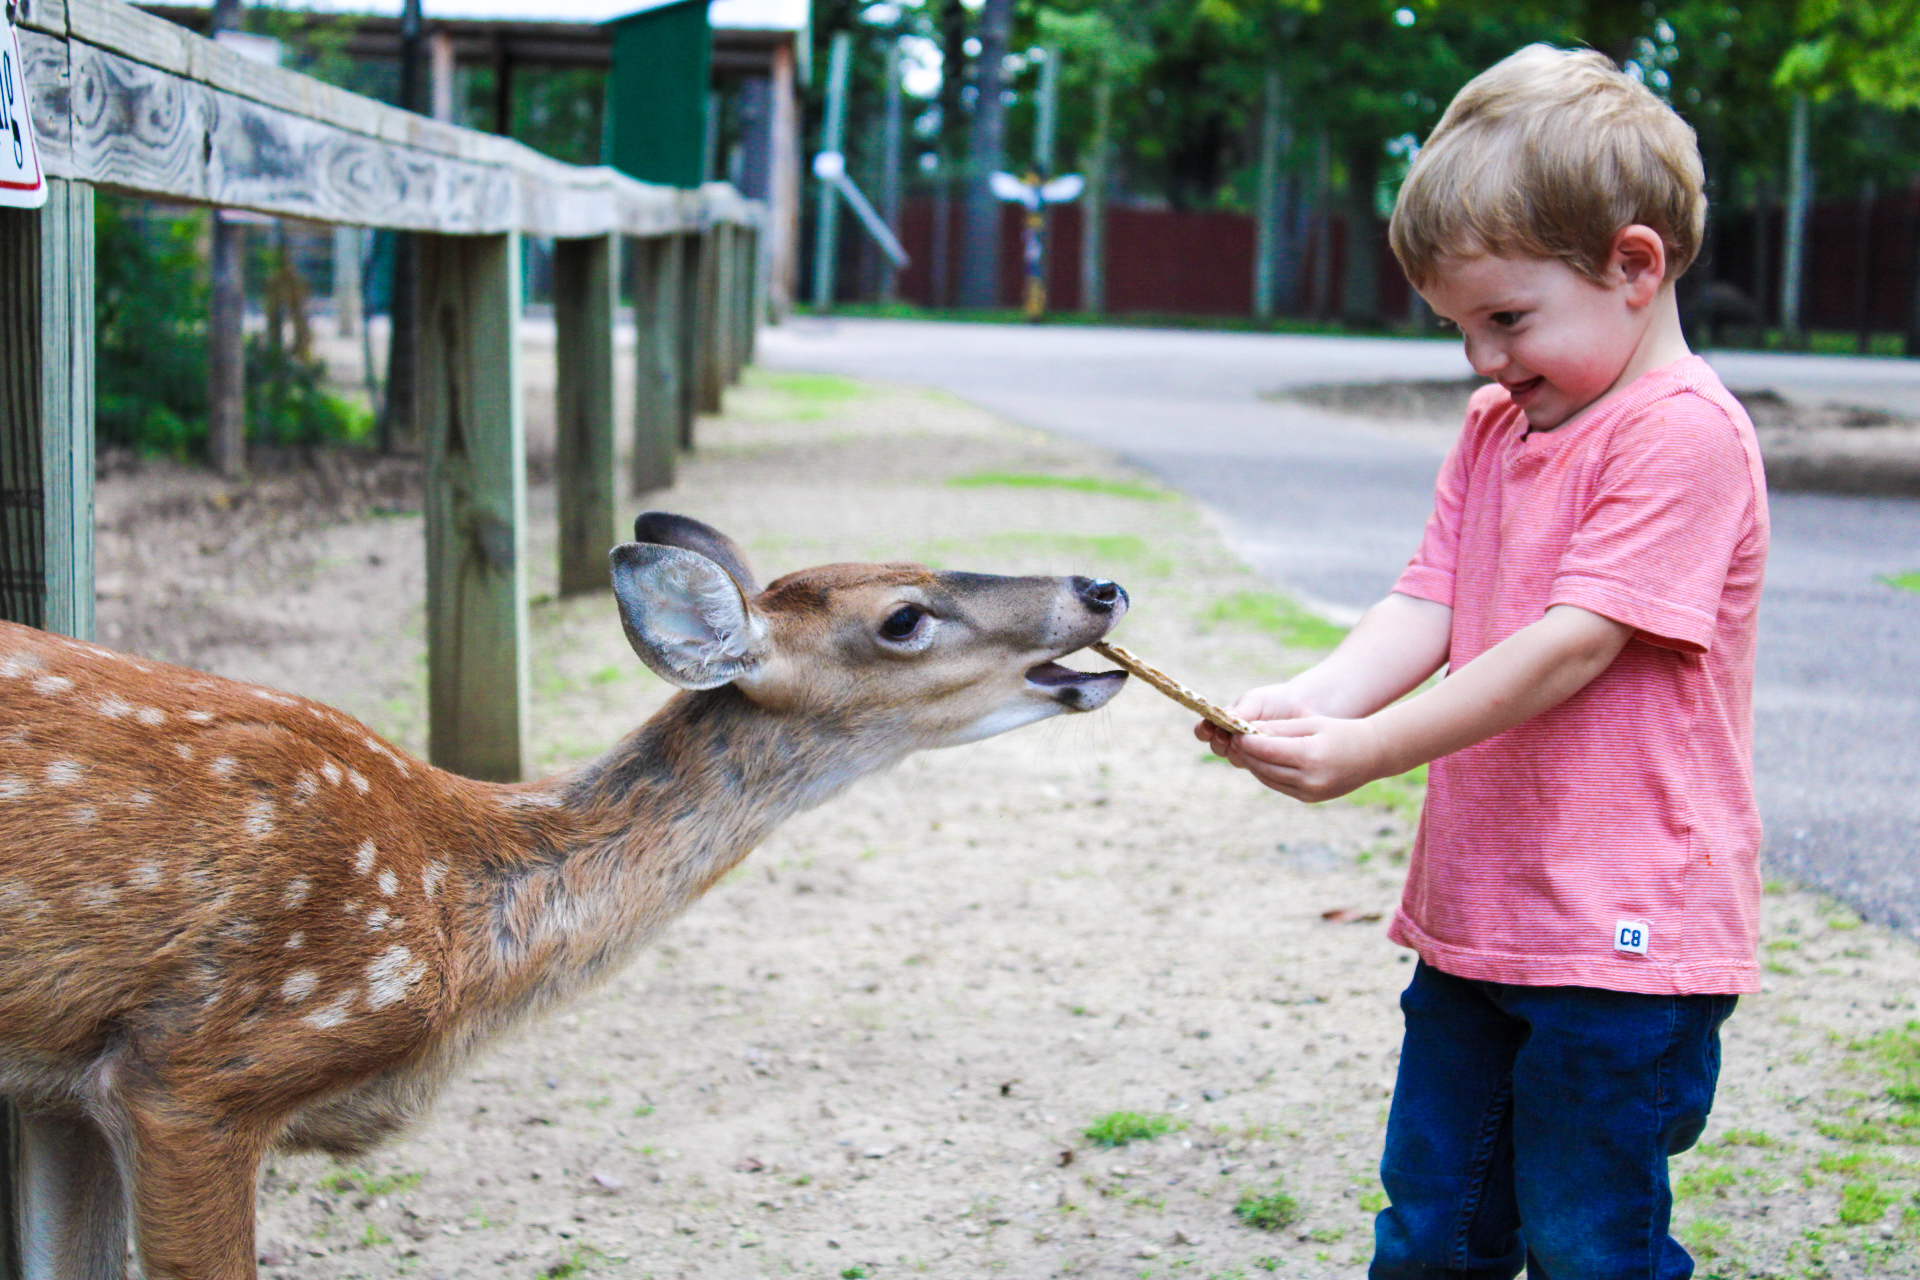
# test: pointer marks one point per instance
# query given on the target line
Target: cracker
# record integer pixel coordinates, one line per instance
(1174, 689)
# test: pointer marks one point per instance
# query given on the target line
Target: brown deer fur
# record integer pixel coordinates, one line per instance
(233, 919)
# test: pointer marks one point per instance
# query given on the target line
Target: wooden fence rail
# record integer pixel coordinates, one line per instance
(128, 102)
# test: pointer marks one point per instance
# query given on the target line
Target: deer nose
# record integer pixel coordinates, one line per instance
(1099, 594)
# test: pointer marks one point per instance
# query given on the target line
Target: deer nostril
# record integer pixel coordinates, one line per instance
(1098, 594)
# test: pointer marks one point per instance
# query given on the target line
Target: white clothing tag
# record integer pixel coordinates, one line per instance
(22, 185)
(1632, 936)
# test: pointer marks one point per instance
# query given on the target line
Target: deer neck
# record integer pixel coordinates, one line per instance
(648, 828)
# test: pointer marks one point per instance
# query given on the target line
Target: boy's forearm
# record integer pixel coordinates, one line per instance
(1398, 643)
(1536, 668)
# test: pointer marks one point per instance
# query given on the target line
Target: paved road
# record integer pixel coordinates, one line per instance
(1330, 509)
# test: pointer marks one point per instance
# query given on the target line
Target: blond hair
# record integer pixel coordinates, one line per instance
(1548, 154)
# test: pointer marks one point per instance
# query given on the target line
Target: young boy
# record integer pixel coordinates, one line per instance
(1584, 890)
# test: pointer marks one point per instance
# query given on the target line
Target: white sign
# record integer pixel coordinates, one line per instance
(22, 184)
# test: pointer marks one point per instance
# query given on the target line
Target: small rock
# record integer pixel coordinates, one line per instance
(684, 1226)
(748, 1164)
(1213, 1095)
(273, 1256)
(832, 1243)
(1066, 1156)
(1148, 1251)
(607, 1182)
(877, 1153)
(1181, 1237)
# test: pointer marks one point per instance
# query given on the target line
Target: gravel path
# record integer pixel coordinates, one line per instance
(877, 1048)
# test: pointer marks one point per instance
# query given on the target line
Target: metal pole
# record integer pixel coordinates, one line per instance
(1267, 232)
(1093, 213)
(226, 321)
(890, 168)
(1799, 193)
(826, 229)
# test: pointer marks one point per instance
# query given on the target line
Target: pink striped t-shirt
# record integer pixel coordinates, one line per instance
(1611, 841)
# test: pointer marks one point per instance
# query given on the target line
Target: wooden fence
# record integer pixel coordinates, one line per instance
(132, 103)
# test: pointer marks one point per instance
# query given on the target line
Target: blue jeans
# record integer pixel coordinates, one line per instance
(1532, 1125)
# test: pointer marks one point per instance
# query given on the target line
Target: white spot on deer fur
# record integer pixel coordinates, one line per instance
(333, 1015)
(259, 823)
(351, 906)
(182, 750)
(389, 882)
(113, 706)
(297, 890)
(63, 773)
(296, 940)
(306, 786)
(359, 782)
(146, 876)
(12, 786)
(50, 685)
(97, 896)
(150, 715)
(223, 766)
(85, 816)
(363, 857)
(141, 798)
(266, 695)
(200, 717)
(391, 974)
(380, 920)
(430, 878)
(18, 663)
(530, 800)
(375, 745)
(299, 985)
(330, 771)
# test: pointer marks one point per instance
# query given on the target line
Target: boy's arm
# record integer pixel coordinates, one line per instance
(1538, 667)
(1395, 645)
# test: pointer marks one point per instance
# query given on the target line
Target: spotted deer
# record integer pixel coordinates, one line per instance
(234, 920)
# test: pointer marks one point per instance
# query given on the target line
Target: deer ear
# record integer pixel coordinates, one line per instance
(669, 530)
(685, 615)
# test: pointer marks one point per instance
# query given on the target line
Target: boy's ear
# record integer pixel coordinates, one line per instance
(1640, 258)
(685, 616)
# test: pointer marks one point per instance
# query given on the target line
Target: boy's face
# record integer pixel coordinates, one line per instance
(1556, 340)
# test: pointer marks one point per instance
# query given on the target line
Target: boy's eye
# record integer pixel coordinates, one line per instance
(1505, 319)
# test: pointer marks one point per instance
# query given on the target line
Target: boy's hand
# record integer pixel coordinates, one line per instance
(1268, 702)
(1312, 758)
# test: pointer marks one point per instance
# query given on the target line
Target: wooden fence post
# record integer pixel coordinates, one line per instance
(706, 318)
(46, 488)
(656, 398)
(725, 312)
(476, 504)
(752, 295)
(586, 467)
(694, 261)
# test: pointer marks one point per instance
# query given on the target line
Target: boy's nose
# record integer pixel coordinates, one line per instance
(1487, 358)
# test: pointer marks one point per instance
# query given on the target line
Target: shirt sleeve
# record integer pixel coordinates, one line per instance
(1429, 575)
(1655, 544)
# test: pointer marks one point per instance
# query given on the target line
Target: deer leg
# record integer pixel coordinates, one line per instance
(193, 1193)
(73, 1201)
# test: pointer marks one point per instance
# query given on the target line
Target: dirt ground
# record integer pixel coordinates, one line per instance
(1828, 448)
(877, 1049)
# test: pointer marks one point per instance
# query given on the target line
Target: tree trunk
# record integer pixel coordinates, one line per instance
(1093, 212)
(1799, 196)
(980, 249)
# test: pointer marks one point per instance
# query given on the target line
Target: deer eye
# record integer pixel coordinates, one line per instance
(902, 622)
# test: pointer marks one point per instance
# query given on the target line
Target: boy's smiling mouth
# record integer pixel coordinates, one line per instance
(1520, 391)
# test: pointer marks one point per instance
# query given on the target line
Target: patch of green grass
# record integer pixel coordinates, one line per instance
(373, 1235)
(827, 387)
(1327, 1235)
(576, 1265)
(372, 1184)
(1863, 1203)
(853, 1273)
(1267, 1263)
(1373, 1201)
(1277, 616)
(1712, 1180)
(1118, 1128)
(1266, 1210)
(1075, 484)
(1908, 581)
(1747, 1138)
(1704, 1236)
(1401, 794)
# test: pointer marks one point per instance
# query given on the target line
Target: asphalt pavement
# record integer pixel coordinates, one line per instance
(1330, 507)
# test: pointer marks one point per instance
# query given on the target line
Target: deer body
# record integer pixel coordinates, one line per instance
(233, 919)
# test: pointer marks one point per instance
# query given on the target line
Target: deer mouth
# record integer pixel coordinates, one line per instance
(1076, 690)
